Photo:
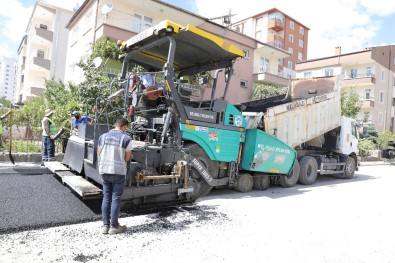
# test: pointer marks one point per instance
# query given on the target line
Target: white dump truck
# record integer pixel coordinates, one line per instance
(308, 118)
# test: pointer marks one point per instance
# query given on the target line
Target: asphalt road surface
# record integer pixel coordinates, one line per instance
(332, 221)
(30, 201)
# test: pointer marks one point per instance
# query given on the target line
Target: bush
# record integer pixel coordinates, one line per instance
(365, 146)
(24, 146)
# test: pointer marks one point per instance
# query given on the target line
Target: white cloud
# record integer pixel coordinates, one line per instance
(15, 18)
(345, 23)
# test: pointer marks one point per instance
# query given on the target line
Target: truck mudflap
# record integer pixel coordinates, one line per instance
(204, 173)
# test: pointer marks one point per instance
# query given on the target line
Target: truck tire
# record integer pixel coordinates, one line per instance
(261, 181)
(244, 183)
(292, 178)
(211, 166)
(308, 170)
(349, 169)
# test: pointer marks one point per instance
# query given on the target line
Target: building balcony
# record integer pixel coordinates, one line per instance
(276, 24)
(270, 75)
(275, 41)
(45, 34)
(367, 104)
(40, 63)
(359, 80)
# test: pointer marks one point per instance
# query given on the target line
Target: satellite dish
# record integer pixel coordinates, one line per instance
(97, 61)
(106, 8)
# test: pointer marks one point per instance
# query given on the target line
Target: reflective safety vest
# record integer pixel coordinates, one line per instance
(52, 127)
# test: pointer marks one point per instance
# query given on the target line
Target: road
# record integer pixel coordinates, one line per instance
(331, 221)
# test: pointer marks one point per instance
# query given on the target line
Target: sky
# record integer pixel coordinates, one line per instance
(351, 24)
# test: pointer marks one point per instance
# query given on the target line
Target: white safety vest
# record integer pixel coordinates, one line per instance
(111, 159)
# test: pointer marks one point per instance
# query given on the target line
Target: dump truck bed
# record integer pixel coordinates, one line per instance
(313, 111)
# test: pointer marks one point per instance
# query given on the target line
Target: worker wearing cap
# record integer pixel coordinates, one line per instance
(78, 118)
(48, 142)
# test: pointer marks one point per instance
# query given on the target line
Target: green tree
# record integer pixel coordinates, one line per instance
(365, 146)
(262, 91)
(350, 104)
(383, 138)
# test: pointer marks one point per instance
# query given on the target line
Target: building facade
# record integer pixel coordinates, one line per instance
(281, 31)
(7, 78)
(123, 19)
(42, 51)
(370, 72)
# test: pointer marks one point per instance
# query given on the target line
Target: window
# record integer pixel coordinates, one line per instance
(264, 65)
(88, 18)
(259, 22)
(368, 71)
(290, 64)
(382, 75)
(247, 53)
(300, 56)
(381, 96)
(328, 72)
(307, 74)
(380, 118)
(367, 94)
(243, 83)
(258, 35)
(301, 43)
(290, 50)
(291, 38)
(40, 53)
(43, 26)
(292, 25)
(301, 30)
(141, 23)
(354, 73)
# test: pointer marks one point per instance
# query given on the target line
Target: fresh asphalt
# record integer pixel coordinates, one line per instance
(33, 198)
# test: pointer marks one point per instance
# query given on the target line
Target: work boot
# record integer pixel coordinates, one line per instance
(105, 228)
(117, 230)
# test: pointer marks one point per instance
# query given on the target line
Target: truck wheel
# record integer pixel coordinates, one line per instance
(261, 181)
(349, 168)
(308, 170)
(211, 166)
(292, 178)
(244, 183)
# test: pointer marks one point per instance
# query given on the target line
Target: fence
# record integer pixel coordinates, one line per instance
(26, 139)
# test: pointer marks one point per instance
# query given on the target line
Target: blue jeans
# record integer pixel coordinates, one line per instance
(113, 186)
(48, 149)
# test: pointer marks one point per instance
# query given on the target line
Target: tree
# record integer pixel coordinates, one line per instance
(350, 104)
(383, 138)
(262, 91)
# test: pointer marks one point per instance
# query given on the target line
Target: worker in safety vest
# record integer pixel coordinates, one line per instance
(48, 142)
(2, 129)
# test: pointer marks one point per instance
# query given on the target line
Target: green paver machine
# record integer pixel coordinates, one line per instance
(185, 141)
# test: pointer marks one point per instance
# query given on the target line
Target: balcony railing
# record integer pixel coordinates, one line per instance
(367, 104)
(358, 79)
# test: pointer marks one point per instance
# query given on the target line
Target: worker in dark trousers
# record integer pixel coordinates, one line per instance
(48, 142)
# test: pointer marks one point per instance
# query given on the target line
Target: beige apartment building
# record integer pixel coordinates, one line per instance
(281, 31)
(370, 72)
(122, 19)
(42, 51)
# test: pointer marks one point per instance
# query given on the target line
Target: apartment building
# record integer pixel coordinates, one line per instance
(7, 78)
(121, 19)
(42, 51)
(281, 31)
(370, 72)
